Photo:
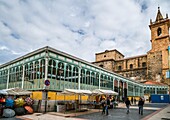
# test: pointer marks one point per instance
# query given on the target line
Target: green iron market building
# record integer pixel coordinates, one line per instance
(66, 71)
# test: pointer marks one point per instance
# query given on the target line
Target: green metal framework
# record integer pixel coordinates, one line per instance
(66, 71)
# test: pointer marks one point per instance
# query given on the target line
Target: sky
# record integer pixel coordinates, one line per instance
(78, 27)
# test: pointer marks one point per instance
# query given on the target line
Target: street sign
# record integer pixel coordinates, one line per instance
(47, 82)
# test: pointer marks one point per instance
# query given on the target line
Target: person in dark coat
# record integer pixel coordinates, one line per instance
(127, 102)
(140, 105)
(107, 105)
(132, 100)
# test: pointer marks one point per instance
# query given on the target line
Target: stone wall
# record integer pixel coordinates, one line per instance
(135, 68)
(154, 60)
(108, 55)
(122, 67)
(109, 64)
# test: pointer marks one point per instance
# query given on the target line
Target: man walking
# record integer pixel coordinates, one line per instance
(140, 105)
(107, 105)
(127, 102)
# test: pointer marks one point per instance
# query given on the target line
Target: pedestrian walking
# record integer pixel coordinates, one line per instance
(127, 102)
(132, 100)
(140, 105)
(135, 101)
(149, 98)
(103, 103)
(107, 105)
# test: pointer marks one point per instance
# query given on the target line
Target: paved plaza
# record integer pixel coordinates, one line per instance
(156, 111)
(120, 113)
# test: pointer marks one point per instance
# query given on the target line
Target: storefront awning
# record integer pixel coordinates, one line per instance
(15, 91)
(104, 92)
(75, 91)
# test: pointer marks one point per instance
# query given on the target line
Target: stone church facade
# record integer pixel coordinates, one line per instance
(151, 66)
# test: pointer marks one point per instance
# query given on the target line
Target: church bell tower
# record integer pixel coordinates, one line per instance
(157, 57)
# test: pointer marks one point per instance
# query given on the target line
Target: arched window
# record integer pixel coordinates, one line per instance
(31, 71)
(36, 70)
(60, 72)
(20, 73)
(119, 67)
(26, 72)
(88, 77)
(75, 74)
(68, 73)
(105, 81)
(159, 31)
(17, 73)
(42, 68)
(82, 80)
(144, 64)
(101, 80)
(92, 78)
(52, 69)
(96, 83)
(131, 66)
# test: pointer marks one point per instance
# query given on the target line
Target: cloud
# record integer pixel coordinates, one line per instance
(80, 28)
